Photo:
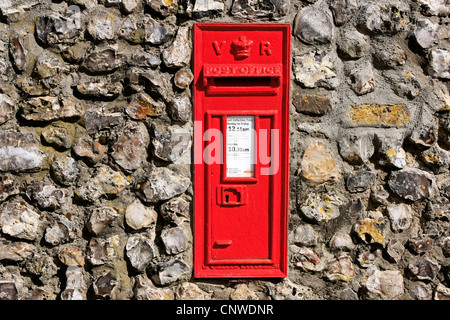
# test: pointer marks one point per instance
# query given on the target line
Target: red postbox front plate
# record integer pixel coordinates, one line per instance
(241, 149)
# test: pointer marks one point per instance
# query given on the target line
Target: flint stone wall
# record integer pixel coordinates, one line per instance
(95, 126)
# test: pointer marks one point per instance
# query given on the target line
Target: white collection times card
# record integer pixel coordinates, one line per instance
(240, 146)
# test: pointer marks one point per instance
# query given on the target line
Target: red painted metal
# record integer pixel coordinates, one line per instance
(241, 221)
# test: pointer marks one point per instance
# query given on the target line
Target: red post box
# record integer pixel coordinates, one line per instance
(241, 149)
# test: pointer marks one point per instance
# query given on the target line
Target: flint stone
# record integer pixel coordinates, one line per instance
(96, 121)
(305, 235)
(312, 104)
(191, 291)
(441, 292)
(170, 143)
(436, 7)
(179, 52)
(100, 219)
(348, 294)
(104, 61)
(161, 184)
(438, 209)
(183, 78)
(51, 108)
(130, 149)
(88, 149)
(48, 65)
(263, 9)
(180, 108)
(14, 9)
(243, 292)
(46, 195)
(104, 285)
(145, 59)
(8, 186)
(71, 256)
(322, 207)
(56, 30)
(101, 251)
(356, 149)
(163, 7)
(140, 251)
(76, 284)
(8, 108)
(59, 135)
(421, 245)
(8, 290)
(385, 285)
(372, 230)
(100, 88)
(424, 269)
(313, 26)
(445, 245)
(16, 251)
(42, 266)
(412, 184)
(105, 182)
(204, 8)
(436, 158)
(400, 215)
(342, 241)
(367, 258)
(315, 69)
(62, 231)
(387, 19)
(144, 289)
(421, 292)
(142, 106)
(20, 220)
(175, 211)
(307, 260)
(391, 153)
(395, 250)
(18, 53)
(140, 28)
(175, 240)
(439, 63)
(339, 10)
(362, 79)
(102, 26)
(425, 33)
(388, 55)
(340, 269)
(318, 166)
(287, 290)
(361, 180)
(138, 216)
(170, 271)
(64, 170)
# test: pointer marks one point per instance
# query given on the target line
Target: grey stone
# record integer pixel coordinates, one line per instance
(175, 240)
(100, 87)
(143, 105)
(140, 28)
(71, 256)
(100, 219)
(170, 143)
(88, 149)
(263, 9)
(48, 65)
(19, 152)
(46, 195)
(287, 290)
(161, 184)
(304, 235)
(8, 108)
(18, 53)
(313, 26)
(387, 54)
(435, 7)
(102, 26)
(351, 44)
(62, 231)
(140, 251)
(145, 59)
(8, 291)
(400, 216)
(16, 251)
(104, 61)
(164, 8)
(175, 211)
(356, 148)
(425, 33)
(339, 10)
(20, 220)
(59, 135)
(97, 120)
(8, 186)
(348, 294)
(56, 30)
(64, 170)
(439, 63)
(438, 208)
(130, 149)
(14, 9)
(104, 182)
(138, 216)
(395, 250)
(51, 108)
(76, 284)
(383, 18)
(315, 69)
(156, 83)
(421, 245)
(105, 285)
(203, 8)
(412, 184)
(307, 260)
(362, 79)
(385, 285)
(421, 292)
(180, 108)
(390, 151)
(340, 268)
(321, 207)
(341, 240)
(170, 271)
(144, 289)
(361, 180)
(183, 78)
(424, 269)
(441, 292)
(191, 291)
(436, 158)
(178, 54)
(42, 266)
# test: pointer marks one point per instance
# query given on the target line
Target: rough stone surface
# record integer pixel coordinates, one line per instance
(139, 216)
(316, 69)
(318, 165)
(19, 152)
(313, 26)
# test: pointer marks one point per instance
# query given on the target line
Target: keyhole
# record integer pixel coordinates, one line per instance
(227, 198)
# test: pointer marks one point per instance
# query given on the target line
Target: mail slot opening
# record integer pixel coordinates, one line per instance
(244, 82)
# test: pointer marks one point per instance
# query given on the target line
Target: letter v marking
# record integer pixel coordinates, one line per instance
(218, 48)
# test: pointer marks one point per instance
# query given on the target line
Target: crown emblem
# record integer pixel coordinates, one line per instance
(241, 48)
